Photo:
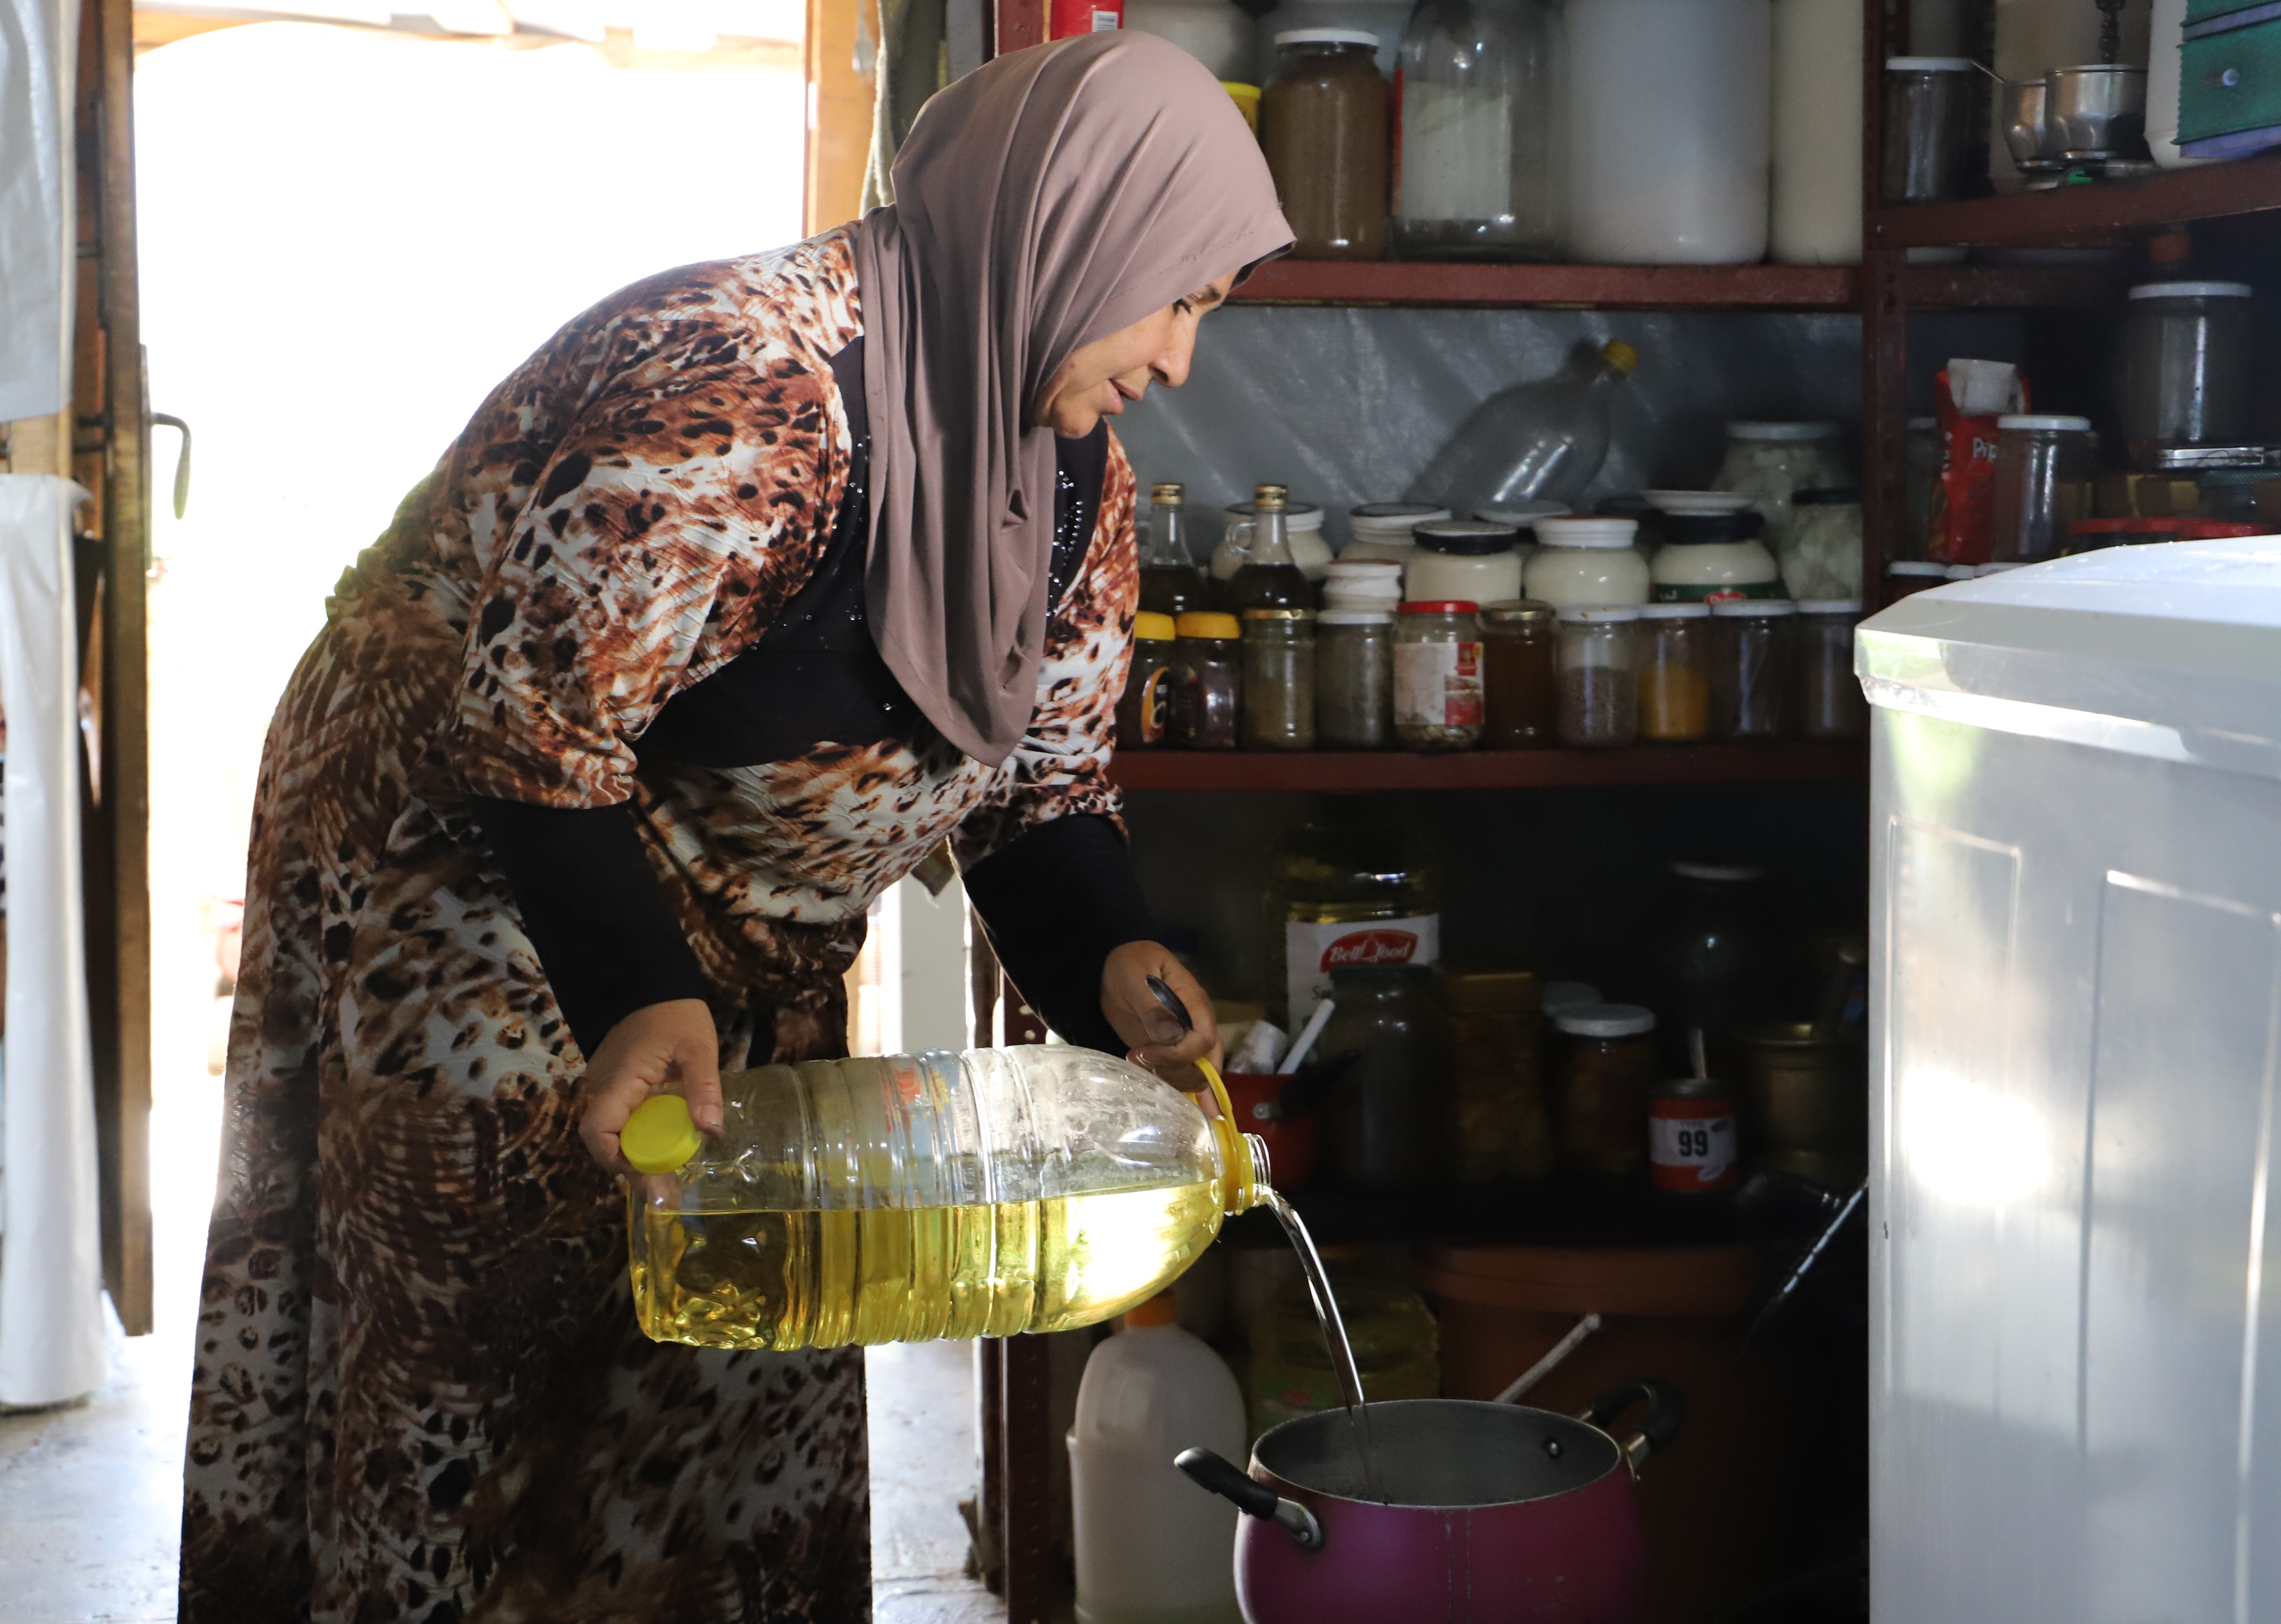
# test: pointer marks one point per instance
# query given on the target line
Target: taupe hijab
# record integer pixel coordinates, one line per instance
(1053, 197)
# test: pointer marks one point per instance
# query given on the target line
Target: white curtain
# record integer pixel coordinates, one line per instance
(35, 258)
(51, 1325)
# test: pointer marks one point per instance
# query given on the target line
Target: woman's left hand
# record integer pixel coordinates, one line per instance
(1154, 1037)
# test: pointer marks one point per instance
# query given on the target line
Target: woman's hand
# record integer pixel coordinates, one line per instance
(1154, 1037)
(657, 1044)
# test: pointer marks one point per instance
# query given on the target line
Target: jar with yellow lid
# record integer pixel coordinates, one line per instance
(1206, 682)
(1144, 706)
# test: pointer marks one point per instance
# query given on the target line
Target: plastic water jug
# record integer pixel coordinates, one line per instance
(908, 1197)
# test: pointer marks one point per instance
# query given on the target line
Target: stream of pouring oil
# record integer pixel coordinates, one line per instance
(1334, 1333)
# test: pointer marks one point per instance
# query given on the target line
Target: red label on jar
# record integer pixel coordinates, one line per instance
(1726, 594)
(1370, 947)
(1690, 1145)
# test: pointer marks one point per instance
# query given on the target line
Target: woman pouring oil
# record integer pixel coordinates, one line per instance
(757, 584)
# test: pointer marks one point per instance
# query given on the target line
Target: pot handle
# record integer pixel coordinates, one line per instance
(1667, 1406)
(1252, 1496)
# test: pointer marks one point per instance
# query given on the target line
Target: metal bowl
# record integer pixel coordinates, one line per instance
(2026, 133)
(2097, 112)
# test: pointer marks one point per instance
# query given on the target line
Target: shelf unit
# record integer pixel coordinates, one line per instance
(1362, 772)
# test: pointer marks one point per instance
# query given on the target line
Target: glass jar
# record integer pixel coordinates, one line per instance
(1771, 460)
(1477, 172)
(1599, 683)
(1144, 706)
(1586, 564)
(1341, 892)
(1709, 557)
(1520, 680)
(1693, 1147)
(1437, 675)
(1171, 583)
(1929, 156)
(1382, 530)
(1379, 1128)
(1206, 682)
(1920, 475)
(1675, 673)
(1751, 669)
(1830, 701)
(1605, 1078)
(1823, 557)
(2043, 471)
(1467, 559)
(1496, 1089)
(1354, 679)
(1713, 966)
(1278, 679)
(1374, 584)
(1324, 122)
(2186, 368)
(1906, 576)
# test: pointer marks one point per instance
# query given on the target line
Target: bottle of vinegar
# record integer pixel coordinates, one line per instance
(1171, 582)
(1269, 578)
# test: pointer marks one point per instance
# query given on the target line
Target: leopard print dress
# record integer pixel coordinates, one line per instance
(419, 1391)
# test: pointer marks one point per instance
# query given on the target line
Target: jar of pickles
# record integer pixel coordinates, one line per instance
(1675, 673)
(1599, 686)
(1751, 666)
(1278, 679)
(1437, 675)
(1830, 705)
(1144, 706)
(1520, 683)
(1354, 679)
(1605, 1081)
(1206, 682)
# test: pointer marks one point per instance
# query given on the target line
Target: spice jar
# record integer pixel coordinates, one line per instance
(1278, 679)
(1586, 563)
(1751, 669)
(1467, 559)
(1520, 680)
(1496, 1088)
(1437, 675)
(1144, 706)
(1324, 116)
(1830, 701)
(1380, 1127)
(1368, 583)
(2043, 472)
(1354, 679)
(2187, 367)
(1692, 1148)
(1604, 1084)
(1382, 530)
(1929, 156)
(1675, 673)
(1822, 557)
(1206, 682)
(1599, 688)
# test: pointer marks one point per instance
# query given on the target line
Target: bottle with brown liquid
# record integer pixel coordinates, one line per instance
(1171, 582)
(1269, 578)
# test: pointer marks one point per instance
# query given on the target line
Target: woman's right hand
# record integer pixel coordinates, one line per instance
(658, 1044)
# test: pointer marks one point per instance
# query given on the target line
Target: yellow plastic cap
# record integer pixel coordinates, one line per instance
(659, 1137)
(1246, 98)
(1152, 627)
(1157, 1311)
(1620, 355)
(1202, 623)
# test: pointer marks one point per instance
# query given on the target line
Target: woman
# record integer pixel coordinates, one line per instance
(757, 584)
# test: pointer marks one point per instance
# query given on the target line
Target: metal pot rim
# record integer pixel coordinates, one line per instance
(1567, 1427)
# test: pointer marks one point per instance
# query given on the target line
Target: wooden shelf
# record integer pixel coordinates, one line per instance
(1655, 287)
(1793, 762)
(2096, 212)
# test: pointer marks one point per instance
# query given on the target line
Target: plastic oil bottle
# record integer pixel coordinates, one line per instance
(910, 1197)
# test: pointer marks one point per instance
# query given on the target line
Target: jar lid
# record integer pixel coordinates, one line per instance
(1732, 873)
(1518, 612)
(1296, 515)
(1675, 611)
(1204, 623)
(1750, 608)
(1827, 496)
(1605, 1020)
(1354, 617)
(1930, 65)
(1580, 532)
(1327, 36)
(1362, 569)
(1438, 606)
(1598, 615)
(1522, 515)
(1961, 572)
(1167, 493)
(1686, 530)
(2192, 290)
(1368, 593)
(1466, 537)
(1748, 429)
(1692, 504)
(1916, 568)
(1829, 606)
(1396, 516)
(2049, 425)
(1153, 628)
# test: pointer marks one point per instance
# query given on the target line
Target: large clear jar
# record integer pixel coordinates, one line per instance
(1278, 679)
(1325, 121)
(1714, 965)
(1771, 460)
(2045, 467)
(1383, 529)
(1930, 104)
(1605, 1078)
(1354, 679)
(1496, 1034)
(2188, 368)
(1347, 889)
(1468, 559)
(1146, 706)
(1585, 564)
(1520, 678)
(1823, 557)
(1675, 673)
(1380, 1128)
(1751, 669)
(1598, 660)
(1437, 675)
(1713, 557)
(1478, 170)
(1830, 701)
(1206, 682)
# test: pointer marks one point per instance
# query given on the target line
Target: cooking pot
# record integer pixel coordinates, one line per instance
(1492, 1513)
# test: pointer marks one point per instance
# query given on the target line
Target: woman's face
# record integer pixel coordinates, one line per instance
(1098, 380)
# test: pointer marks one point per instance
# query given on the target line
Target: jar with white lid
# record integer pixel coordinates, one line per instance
(1302, 531)
(1587, 563)
(2187, 367)
(1382, 530)
(1599, 661)
(1714, 558)
(1362, 584)
(2045, 467)
(1751, 669)
(1462, 559)
(1354, 679)
(1771, 460)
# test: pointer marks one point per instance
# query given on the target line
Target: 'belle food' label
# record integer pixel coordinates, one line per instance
(1690, 1145)
(1314, 950)
(1437, 684)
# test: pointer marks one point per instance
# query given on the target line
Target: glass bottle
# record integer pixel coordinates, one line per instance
(1537, 441)
(1172, 581)
(1270, 579)
(1479, 171)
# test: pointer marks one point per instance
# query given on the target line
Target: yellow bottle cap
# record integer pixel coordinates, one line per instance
(659, 1137)
(1153, 628)
(1204, 623)
(1620, 355)
(1246, 98)
(1158, 1309)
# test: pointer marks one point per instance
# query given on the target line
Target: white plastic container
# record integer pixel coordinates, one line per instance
(1302, 530)
(1463, 559)
(1668, 125)
(1152, 1548)
(2075, 920)
(1816, 212)
(1586, 564)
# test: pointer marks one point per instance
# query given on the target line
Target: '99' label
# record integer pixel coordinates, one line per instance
(1690, 1146)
